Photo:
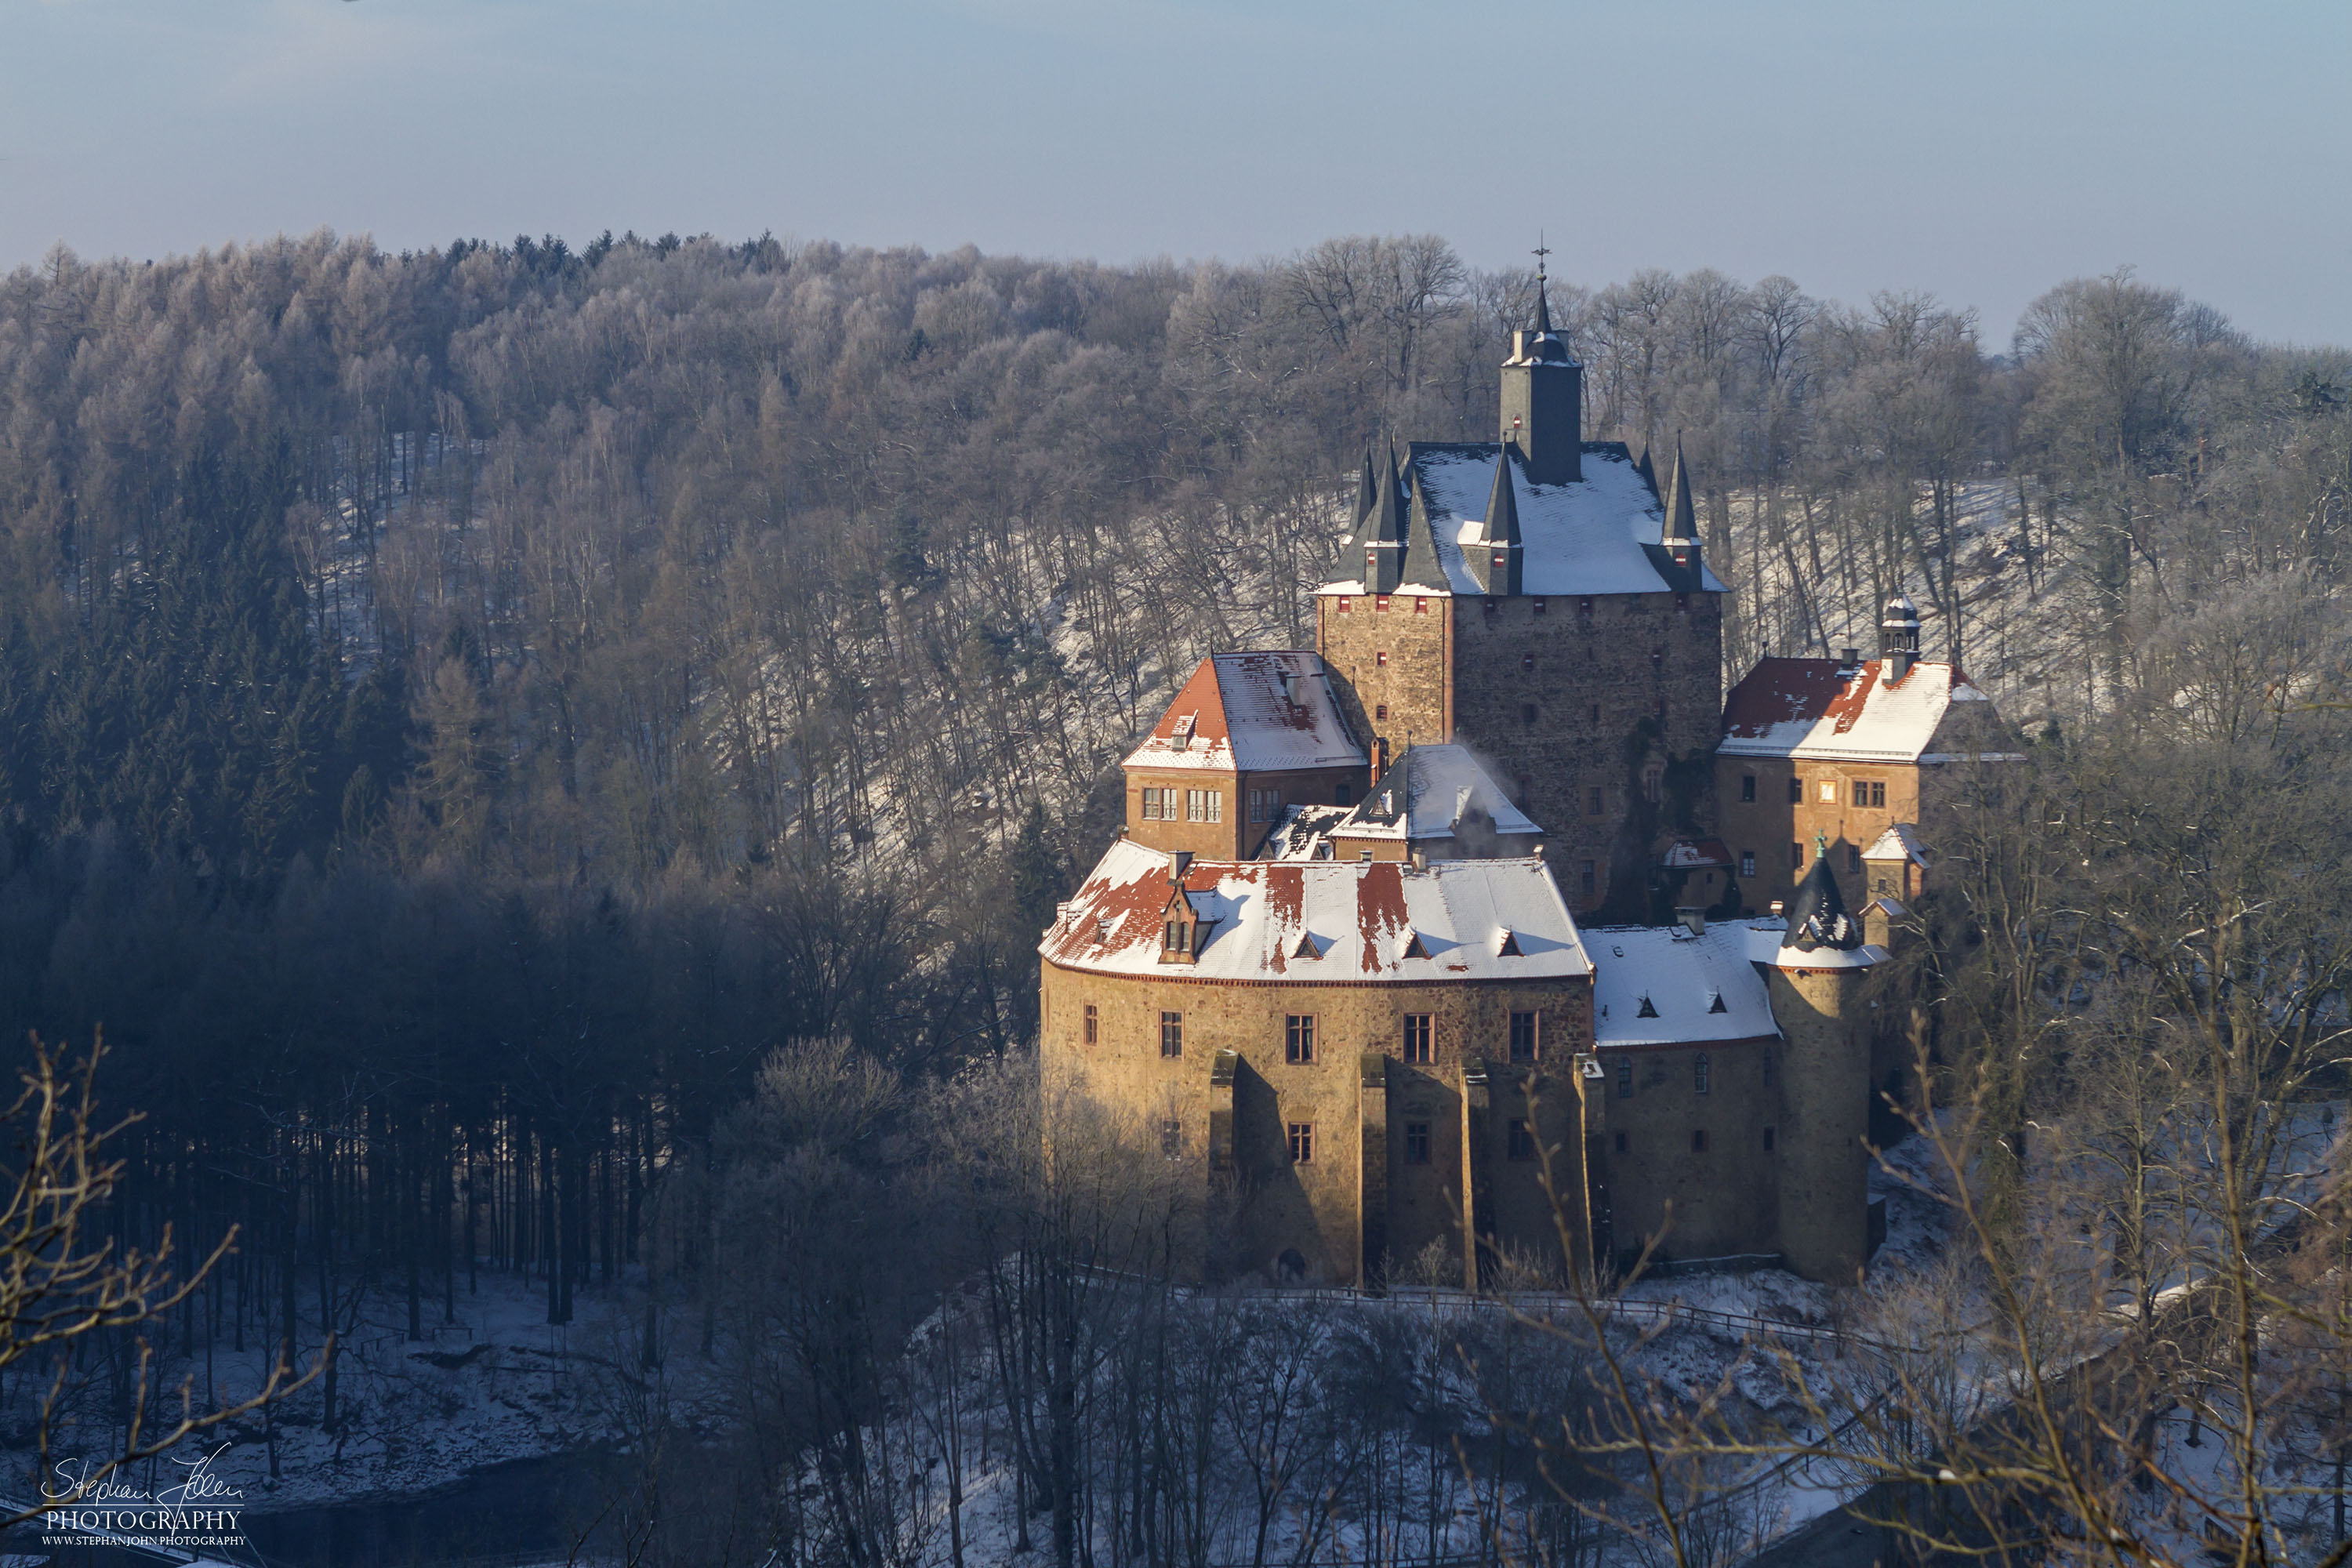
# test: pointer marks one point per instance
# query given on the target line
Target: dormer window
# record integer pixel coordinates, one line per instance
(1648, 1009)
(1179, 938)
(1182, 733)
(1509, 946)
(1415, 948)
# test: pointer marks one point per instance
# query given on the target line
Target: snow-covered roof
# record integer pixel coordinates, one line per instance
(1303, 832)
(1765, 935)
(1600, 534)
(1435, 791)
(1900, 842)
(1238, 713)
(1320, 921)
(1818, 708)
(1696, 854)
(1665, 985)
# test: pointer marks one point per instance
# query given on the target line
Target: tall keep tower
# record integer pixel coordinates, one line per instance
(1815, 981)
(1537, 599)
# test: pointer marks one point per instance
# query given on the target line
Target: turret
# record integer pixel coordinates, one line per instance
(1543, 394)
(1816, 980)
(1495, 557)
(1680, 535)
(1422, 569)
(1898, 638)
(1384, 534)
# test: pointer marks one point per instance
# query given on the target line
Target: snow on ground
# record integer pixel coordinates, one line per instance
(499, 1383)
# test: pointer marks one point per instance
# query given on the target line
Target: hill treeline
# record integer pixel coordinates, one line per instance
(460, 710)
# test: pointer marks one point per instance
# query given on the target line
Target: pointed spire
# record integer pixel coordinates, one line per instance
(1387, 508)
(1682, 518)
(1502, 504)
(1366, 495)
(1817, 912)
(1543, 305)
(1649, 475)
(1421, 567)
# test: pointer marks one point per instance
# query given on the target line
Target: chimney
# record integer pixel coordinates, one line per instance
(1290, 688)
(1848, 657)
(1693, 919)
(1776, 907)
(1179, 862)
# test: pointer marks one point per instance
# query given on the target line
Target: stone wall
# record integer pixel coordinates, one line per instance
(1776, 830)
(1724, 1197)
(1314, 1208)
(1619, 693)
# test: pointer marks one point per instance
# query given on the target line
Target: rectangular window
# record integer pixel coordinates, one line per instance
(1539, 607)
(1702, 1074)
(1302, 1142)
(1421, 606)
(1584, 605)
(1177, 937)
(1343, 604)
(1796, 792)
(1698, 1140)
(1380, 602)
(1596, 713)
(1522, 1139)
(1829, 792)
(1171, 1034)
(1094, 1025)
(1343, 795)
(1380, 714)
(1593, 805)
(1151, 805)
(1523, 1037)
(1298, 1038)
(1768, 1140)
(1796, 856)
(1854, 856)
(1620, 1143)
(1624, 1077)
(1257, 805)
(1172, 1139)
(1768, 1064)
(1419, 1039)
(1747, 786)
(1527, 663)
(1380, 657)
(1682, 604)
(1748, 862)
(1526, 713)
(1416, 1142)
(1588, 878)
(1879, 792)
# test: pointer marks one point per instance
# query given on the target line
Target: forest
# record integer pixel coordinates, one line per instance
(476, 724)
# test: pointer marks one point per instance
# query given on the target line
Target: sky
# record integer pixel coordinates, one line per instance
(1980, 150)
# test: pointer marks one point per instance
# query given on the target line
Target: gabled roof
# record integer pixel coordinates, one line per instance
(1434, 792)
(1360, 916)
(1598, 534)
(1232, 716)
(1900, 842)
(1699, 986)
(1303, 832)
(1815, 707)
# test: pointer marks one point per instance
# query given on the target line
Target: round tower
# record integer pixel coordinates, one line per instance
(1816, 980)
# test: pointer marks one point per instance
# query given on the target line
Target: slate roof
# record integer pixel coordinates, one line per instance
(1815, 707)
(1900, 842)
(1321, 921)
(1434, 791)
(1700, 987)
(1231, 716)
(1304, 833)
(1599, 534)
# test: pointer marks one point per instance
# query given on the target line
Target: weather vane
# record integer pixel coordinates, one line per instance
(1542, 250)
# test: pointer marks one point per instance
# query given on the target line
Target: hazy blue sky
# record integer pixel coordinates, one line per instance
(1980, 150)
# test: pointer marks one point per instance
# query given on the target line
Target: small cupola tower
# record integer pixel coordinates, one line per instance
(1543, 397)
(1495, 556)
(1898, 638)
(1383, 531)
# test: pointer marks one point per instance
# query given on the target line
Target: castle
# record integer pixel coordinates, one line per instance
(1491, 932)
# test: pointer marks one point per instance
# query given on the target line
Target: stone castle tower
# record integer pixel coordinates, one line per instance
(1816, 981)
(1540, 600)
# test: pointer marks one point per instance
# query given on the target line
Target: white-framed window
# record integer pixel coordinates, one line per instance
(1829, 792)
(1205, 806)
